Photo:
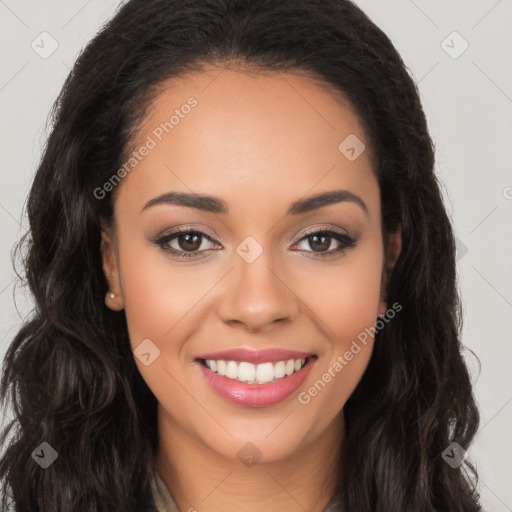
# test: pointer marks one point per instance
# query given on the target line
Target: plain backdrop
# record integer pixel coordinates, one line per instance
(459, 54)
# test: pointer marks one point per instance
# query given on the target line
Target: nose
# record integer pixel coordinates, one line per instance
(256, 296)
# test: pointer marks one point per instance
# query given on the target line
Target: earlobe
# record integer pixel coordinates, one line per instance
(391, 254)
(113, 297)
(394, 248)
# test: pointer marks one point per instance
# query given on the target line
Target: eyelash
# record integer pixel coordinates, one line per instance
(347, 242)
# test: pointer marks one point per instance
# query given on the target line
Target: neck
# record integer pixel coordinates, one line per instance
(202, 479)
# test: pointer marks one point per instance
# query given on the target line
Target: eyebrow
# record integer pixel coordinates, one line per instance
(216, 205)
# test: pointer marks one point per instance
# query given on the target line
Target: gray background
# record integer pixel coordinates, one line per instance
(467, 96)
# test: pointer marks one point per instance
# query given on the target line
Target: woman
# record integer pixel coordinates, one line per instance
(244, 275)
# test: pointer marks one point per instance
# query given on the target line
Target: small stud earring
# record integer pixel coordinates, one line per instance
(112, 295)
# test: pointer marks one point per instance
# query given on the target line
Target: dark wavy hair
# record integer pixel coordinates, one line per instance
(69, 373)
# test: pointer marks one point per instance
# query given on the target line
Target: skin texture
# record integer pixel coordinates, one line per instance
(259, 142)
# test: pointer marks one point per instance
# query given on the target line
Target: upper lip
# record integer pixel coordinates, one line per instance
(270, 355)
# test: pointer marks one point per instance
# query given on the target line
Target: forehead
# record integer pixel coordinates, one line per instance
(263, 134)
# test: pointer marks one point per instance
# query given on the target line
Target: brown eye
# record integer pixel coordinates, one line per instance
(321, 240)
(187, 243)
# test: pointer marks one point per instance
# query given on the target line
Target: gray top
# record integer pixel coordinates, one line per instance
(163, 498)
(165, 503)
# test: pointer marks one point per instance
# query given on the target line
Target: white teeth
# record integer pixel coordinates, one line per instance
(255, 373)
(231, 370)
(264, 373)
(280, 369)
(246, 372)
(221, 366)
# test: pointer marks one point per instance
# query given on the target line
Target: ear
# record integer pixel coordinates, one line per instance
(391, 254)
(111, 271)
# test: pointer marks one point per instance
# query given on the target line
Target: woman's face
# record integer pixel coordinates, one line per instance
(261, 146)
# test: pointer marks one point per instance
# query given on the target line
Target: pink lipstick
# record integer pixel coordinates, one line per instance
(256, 378)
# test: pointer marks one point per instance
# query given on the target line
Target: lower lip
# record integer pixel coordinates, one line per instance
(257, 395)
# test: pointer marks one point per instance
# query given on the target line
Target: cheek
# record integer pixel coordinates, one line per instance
(344, 297)
(349, 316)
(164, 303)
(354, 305)
(345, 305)
(157, 293)
(333, 384)
(160, 306)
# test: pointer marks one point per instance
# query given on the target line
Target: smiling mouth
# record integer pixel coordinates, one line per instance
(249, 373)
